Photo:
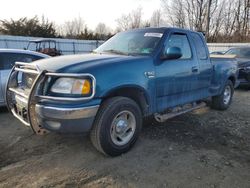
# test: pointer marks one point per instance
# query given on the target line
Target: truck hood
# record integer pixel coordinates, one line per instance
(79, 63)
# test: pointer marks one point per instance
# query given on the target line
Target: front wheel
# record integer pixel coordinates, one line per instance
(117, 126)
(223, 101)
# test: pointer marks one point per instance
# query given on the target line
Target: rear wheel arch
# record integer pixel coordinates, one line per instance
(223, 100)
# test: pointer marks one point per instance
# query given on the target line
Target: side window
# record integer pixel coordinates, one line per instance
(199, 46)
(180, 41)
(7, 60)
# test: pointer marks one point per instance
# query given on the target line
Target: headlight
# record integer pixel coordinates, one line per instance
(71, 86)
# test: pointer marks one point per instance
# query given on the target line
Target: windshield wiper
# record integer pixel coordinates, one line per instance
(115, 52)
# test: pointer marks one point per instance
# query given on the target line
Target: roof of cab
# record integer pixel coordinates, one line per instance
(162, 29)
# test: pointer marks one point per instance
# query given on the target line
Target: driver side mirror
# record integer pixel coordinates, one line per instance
(172, 53)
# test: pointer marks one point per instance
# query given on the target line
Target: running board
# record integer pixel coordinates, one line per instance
(178, 111)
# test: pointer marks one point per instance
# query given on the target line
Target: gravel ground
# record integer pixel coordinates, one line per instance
(205, 148)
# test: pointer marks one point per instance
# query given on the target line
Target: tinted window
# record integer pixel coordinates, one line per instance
(7, 60)
(199, 46)
(180, 41)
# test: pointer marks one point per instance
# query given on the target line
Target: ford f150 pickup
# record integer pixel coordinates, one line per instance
(160, 72)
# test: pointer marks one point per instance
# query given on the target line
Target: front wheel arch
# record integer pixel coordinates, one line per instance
(136, 93)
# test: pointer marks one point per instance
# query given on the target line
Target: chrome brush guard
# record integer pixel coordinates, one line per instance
(21, 100)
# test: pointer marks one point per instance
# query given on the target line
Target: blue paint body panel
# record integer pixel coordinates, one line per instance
(172, 82)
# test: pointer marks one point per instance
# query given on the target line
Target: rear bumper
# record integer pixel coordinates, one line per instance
(66, 120)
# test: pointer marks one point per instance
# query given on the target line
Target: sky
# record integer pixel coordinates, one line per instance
(92, 11)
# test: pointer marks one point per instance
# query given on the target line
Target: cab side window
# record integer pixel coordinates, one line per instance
(199, 46)
(180, 41)
(7, 60)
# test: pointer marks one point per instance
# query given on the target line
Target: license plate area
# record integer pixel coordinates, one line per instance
(21, 111)
(20, 107)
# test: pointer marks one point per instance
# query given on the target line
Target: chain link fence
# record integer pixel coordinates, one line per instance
(66, 46)
(70, 46)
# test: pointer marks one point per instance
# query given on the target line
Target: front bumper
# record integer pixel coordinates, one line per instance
(66, 120)
(47, 113)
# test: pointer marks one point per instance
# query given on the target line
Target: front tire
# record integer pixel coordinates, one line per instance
(223, 101)
(117, 126)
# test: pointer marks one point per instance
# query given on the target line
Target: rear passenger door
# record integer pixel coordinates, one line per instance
(204, 65)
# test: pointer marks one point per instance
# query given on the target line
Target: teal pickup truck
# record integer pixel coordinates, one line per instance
(160, 72)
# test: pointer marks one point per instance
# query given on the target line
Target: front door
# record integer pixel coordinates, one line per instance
(176, 79)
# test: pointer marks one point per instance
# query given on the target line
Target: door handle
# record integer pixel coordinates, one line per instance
(195, 69)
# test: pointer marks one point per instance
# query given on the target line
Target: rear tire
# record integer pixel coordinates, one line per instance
(223, 101)
(117, 126)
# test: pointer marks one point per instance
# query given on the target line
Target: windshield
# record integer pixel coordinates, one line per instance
(131, 43)
(239, 52)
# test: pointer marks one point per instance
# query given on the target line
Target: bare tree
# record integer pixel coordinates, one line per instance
(156, 18)
(174, 11)
(242, 18)
(136, 18)
(209, 3)
(216, 20)
(222, 20)
(102, 31)
(123, 23)
(74, 27)
(130, 21)
(246, 17)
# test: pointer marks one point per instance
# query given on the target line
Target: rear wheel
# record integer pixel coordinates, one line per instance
(117, 126)
(223, 101)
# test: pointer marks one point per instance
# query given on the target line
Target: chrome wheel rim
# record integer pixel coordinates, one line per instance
(227, 95)
(123, 128)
